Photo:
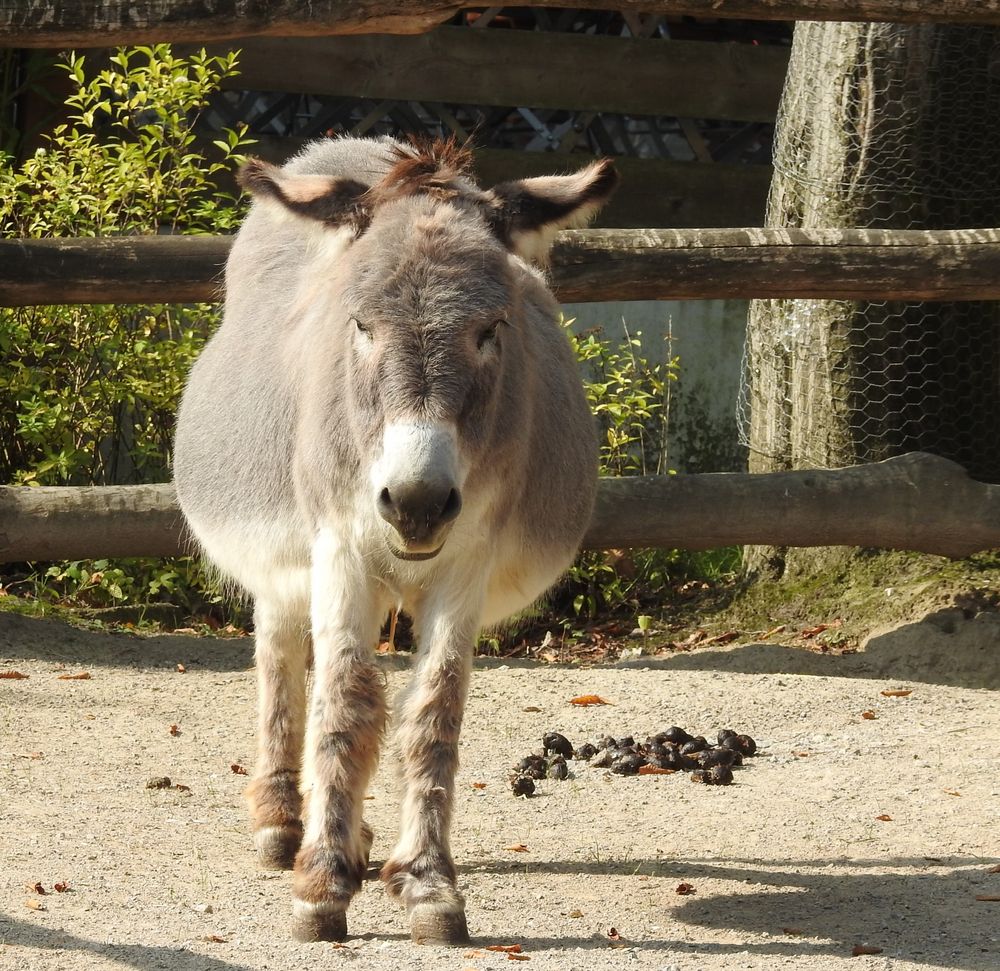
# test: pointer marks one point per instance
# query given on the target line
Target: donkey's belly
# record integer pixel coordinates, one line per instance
(521, 579)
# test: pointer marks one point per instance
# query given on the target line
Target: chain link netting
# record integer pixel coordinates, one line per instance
(894, 127)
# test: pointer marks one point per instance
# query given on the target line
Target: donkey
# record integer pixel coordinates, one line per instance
(388, 418)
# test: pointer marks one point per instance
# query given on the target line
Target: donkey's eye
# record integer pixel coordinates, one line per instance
(362, 328)
(489, 335)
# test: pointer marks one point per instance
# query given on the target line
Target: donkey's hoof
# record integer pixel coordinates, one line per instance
(318, 922)
(431, 924)
(277, 845)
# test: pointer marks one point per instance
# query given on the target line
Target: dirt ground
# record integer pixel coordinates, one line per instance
(843, 831)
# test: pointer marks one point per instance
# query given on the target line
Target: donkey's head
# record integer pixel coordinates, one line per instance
(425, 304)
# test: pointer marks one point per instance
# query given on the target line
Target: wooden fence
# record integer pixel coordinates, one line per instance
(916, 501)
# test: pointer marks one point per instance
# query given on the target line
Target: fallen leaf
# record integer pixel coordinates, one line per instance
(819, 628)
(82, 676)
(14, 675)
(792, 931)
(505, 948)
(182, 788)
(898, 693)
(575, 913)
(884, 818)
(35, 905)
(35, 888)
(180, 668)
(772, 632)
(951, 792)
(685, 889)
(474, 954)
(869, 715)
(174, 730)
(655, 770)
(988, 898)
(584, 700)
(729, 635)
(214, 939)
(517, 848)
(801, 755)
(994, 869)
(62, 887)
(860, 949)
(532, 708)
(478, 785)
(237, 769)
(517, 957)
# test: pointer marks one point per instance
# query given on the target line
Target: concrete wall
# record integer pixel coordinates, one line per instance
(707, 336)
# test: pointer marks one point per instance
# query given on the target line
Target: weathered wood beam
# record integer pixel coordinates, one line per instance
(587, 265)
(532, 69)
(93, 23)
(913, 502)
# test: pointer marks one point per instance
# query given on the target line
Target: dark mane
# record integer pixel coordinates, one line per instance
(424, 167)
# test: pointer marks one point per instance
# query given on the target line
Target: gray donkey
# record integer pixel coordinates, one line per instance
(389, 417)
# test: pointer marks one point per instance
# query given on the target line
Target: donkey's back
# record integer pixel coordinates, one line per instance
(389, 417)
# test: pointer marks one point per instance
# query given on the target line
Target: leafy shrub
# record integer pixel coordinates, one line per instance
(89, 393)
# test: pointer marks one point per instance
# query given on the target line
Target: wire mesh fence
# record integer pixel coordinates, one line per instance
(880, 126)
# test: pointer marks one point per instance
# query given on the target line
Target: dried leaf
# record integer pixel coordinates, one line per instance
(237, 769)
(951, 792)
(584, 700)
(869, 715)
(82, 676)
(989, 898)
(655, 770)
(174, 730)
(214, 939)
(505, 948)
(860, 949)
(801, 755)
(685, 889)
(772, 632)
(898, 693)
(512, 956)
(13, 675)
(532, 708)
(478, 785)
(819, 628)
(62, 887)
(180, 668)
(575, 913)
(792, 931)
(474, 954)
(517, 848)
(884, 818)
(994, 869)
(35, 888)
(182, 788)
(35, 905)
(725, 638)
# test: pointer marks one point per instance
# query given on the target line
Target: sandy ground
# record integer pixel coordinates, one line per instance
(791, 867)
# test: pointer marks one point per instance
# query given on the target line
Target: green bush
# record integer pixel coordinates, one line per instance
(88, 394)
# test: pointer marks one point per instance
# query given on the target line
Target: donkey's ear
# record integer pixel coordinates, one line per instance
(324, 198)
(527, 214)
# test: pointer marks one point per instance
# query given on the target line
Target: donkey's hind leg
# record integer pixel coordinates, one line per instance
(282, 654)
(420, 872)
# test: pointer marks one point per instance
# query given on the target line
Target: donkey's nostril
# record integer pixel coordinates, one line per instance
(385, 507)
(452, 507)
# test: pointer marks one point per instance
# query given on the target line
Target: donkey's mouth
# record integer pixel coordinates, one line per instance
(401, 555)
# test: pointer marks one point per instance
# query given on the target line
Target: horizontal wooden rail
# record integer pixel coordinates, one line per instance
(913, 502)
(587, 265)
(533, 69)
(96, 23)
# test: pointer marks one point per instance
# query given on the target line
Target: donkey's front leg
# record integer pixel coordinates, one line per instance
(420, 871)
(282, 646)
(346, 718)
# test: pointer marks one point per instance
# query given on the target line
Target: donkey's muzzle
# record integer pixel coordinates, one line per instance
(419, 512)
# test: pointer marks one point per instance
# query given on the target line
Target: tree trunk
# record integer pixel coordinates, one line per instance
(881, 126)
